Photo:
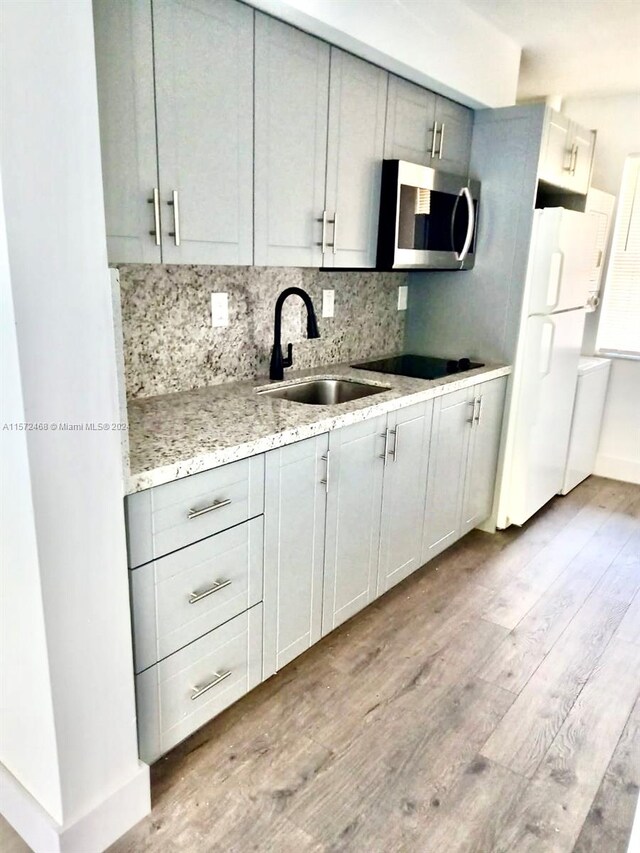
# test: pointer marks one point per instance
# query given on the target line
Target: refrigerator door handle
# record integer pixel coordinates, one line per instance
(548, 357)
(555, 277)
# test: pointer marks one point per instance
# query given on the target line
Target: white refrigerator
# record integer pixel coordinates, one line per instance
(546, 367)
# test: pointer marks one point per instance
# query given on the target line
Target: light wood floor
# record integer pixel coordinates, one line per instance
(488, 703)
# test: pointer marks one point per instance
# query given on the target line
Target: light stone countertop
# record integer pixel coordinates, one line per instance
(175, 435)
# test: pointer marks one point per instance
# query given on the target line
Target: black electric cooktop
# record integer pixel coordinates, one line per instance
(419, 366)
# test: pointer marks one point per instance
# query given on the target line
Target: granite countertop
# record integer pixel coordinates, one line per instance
(175, 435)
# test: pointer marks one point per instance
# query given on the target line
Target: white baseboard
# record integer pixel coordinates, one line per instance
(92, 833)
(627, 470)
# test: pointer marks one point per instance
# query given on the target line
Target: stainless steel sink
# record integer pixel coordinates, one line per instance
(324, 392)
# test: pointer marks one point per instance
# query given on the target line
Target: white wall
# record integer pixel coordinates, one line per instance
(442, 45)
(74, 540)
(617, 120)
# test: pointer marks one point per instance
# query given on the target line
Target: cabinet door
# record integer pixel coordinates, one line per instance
(410, 117)
(355, 470)
(295, 500)
(357, 105)
(124, 65)
(455, 127)
(204, 92)
(404, 494)
(484, 445)
(555, 152)
(583, 145)
(452, 417)
(600, 205)
(291, 103)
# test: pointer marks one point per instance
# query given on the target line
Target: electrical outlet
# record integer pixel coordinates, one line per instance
(403, 291)
(219, 309)
(328, 297)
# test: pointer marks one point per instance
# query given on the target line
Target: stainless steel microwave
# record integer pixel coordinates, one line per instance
(428, 219)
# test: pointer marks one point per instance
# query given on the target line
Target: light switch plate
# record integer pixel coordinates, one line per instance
(328, 303)
(219, 309)
(403, 291)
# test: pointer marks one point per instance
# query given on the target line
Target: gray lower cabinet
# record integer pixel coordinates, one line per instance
(291, 104)
(404, 493)
(355, 469)
(295, 494)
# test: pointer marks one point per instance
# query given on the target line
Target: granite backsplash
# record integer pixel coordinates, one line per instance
(169, 344)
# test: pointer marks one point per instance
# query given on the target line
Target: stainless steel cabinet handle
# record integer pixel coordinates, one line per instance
(433, 140)
(175, 204)
(575, 160)
(479, 412)
(198, 596)
(335, 233)
(441, 146)
(218, 677)
(385, 435)
(323, 241)
(473, 411)
(194, 513)
(394, 452)
(325, 482)
(155, 201)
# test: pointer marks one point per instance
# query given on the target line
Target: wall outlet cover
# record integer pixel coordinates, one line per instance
(328, 303)
(403, 291)
(219, 309)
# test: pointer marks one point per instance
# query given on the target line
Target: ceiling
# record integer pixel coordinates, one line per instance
(570, 47)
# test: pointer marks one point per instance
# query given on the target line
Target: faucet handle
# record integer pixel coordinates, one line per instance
(288, 361)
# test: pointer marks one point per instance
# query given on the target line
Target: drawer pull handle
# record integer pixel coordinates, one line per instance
(217, 678)
(194, 513)
(198, 596)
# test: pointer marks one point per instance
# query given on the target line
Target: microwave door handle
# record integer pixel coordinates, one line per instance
(454, 213)
(471, 226)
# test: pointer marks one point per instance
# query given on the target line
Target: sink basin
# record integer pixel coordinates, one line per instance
(324, 392)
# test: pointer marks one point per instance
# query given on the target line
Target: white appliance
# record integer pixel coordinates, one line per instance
(591, 390)
(546, 367)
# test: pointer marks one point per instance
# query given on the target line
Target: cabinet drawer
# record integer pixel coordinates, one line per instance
(168, 517)
(182, 596)
(178, 695)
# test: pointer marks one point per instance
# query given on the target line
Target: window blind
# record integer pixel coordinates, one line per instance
(619, 327)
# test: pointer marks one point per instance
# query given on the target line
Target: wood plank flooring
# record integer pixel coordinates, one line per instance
(490, 702)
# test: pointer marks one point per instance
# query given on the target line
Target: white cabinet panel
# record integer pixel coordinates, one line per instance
(357, 106)
(124, 64)
(555, 149)
(583, 143)
(410, 122)
(354, 499)
(404, 494)
(291, 103)
(204, 96)
(294, 549)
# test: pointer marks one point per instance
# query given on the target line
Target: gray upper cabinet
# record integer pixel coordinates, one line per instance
(484, 444)
(204, 97)
(583, 143)
(124, 60)
(449, 443)
(404, 493)
(295, 495)
(409, 133)
(426, 128)
(357, 107)
(566, 153)
(291, 104)
(354, 473)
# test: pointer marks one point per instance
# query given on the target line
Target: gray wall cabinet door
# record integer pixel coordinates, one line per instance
(291, 103)
(357, 108)
(354, 501)
(484, 445)
(204, 93)
(410, 122)
(555, 154)
(455, 128)
(404, 494)
(447, 461)
(294, 550)
(124, 60)
(584, 142)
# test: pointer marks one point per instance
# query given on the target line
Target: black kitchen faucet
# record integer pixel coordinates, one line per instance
(278, 363)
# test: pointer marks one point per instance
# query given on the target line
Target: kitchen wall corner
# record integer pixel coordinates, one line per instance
(170, 346)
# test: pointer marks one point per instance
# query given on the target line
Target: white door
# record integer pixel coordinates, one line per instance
(295, 498)
(354, 502)
(357, 108)
(560, 261)
(291, 103)
(404, 493)
(546, 390)
(204, 96)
